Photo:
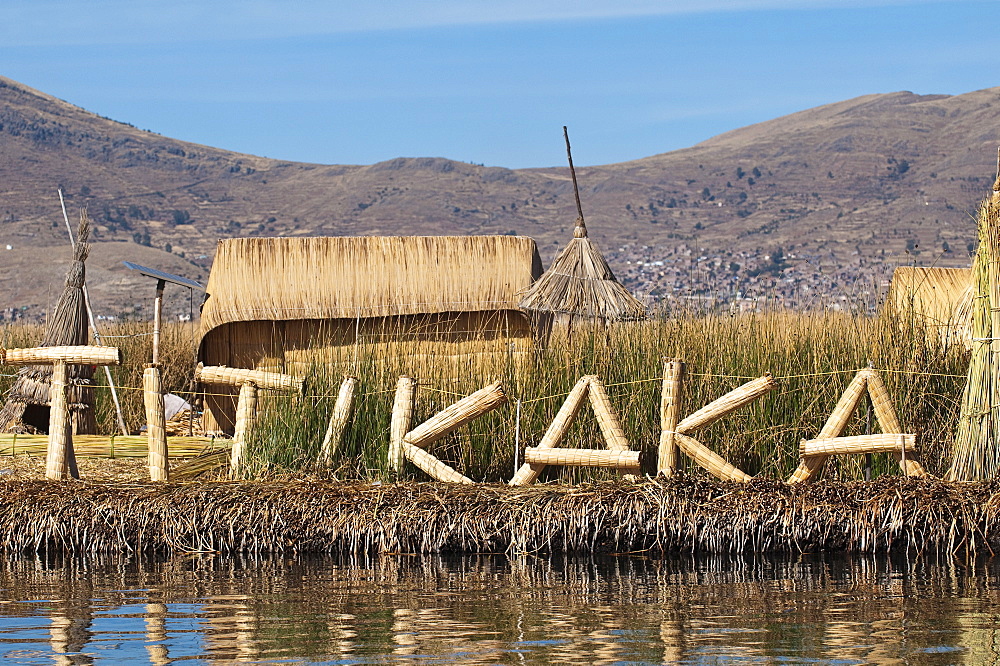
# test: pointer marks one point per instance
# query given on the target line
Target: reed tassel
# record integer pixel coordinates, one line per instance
(670, 407)
(246, 414)
(338, 421)
(431, 465)
(402, 419)
(156, 425)
(60, 426)
(455, 416)
(835, 424)
(624, 460)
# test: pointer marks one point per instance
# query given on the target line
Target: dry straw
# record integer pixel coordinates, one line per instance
(156, 425)
(892, 443)
(976, 451)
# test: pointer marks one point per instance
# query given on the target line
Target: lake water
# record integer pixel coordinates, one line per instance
(491, 609)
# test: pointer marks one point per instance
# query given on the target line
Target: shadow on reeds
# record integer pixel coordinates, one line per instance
(813, 355)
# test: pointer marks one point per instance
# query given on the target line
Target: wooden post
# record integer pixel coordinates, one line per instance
(157, 316)
(60, 427)
(338, 421)
(402, 419)
(246, 413)
(156, 425)
(670, 406)
(557, 430)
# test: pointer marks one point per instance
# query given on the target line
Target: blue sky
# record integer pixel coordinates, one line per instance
(486, 82)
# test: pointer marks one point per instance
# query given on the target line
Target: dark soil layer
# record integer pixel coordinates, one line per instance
(686, 515)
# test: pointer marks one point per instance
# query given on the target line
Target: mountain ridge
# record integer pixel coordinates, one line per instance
(794, 208)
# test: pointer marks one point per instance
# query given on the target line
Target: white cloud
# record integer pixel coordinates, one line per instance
(67, 22)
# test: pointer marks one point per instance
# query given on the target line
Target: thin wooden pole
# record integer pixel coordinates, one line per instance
(670, 407)
(157, 316)
(60, 427)
(580, 230)
(246, 414)
(156, 425)
(402, 419)
(338, 421)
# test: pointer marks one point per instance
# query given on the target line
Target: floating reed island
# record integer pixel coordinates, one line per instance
(682, 514)
(548, 424)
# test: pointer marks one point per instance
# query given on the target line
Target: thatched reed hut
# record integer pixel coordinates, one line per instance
(280, 304)
(939, 299)
(26, 408)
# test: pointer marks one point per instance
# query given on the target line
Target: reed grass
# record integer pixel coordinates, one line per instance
(813, 356)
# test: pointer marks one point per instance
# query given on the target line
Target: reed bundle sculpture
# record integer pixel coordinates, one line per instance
(411, 443)
(976, 451)
(249, 382)
(66, 326)
(580, 283)
(814, 452)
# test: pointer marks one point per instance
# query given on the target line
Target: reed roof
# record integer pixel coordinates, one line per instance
(937, 294)
(280, 279)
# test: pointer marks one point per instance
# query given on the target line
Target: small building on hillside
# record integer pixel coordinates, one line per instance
(283, 304)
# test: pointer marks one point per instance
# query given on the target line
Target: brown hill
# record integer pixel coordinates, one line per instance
(844, 190)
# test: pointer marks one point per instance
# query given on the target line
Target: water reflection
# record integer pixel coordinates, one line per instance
(490, 609)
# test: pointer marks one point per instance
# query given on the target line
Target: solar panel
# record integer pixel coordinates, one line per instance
(160, 275)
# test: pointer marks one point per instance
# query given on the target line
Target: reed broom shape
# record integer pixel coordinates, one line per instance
(156, 425)
(402, 419)
(246, 414)
(60, 427)
(976, 450)
(889, 442)
(670, 407)
(338, 421)
(528, 473)
(583, 458)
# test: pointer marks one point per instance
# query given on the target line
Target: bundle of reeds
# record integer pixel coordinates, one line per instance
(67, 325)
(580, 283)
(680, 514)
(976, 451)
